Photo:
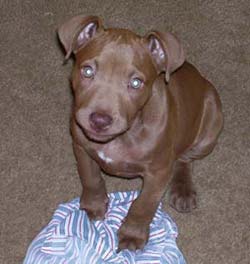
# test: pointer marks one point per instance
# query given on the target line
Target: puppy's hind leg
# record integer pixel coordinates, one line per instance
(182, 192)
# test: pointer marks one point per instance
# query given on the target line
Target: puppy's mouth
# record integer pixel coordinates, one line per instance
(98, 137)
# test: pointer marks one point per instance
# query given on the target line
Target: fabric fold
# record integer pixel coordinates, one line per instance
(70, 237)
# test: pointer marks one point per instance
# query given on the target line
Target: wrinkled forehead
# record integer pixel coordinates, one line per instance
(120, 53)
(118, 47)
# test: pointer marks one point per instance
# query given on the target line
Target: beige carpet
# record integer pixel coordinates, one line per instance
(36, 161)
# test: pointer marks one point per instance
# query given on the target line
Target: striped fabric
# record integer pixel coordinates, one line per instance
(70, 238)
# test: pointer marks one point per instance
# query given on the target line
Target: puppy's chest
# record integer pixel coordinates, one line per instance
(119, 161)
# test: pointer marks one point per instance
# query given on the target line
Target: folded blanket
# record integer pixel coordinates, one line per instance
(71, 238)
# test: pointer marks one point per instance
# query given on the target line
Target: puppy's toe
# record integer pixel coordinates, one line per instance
(133, 236)
(95, 207)
(183, 198)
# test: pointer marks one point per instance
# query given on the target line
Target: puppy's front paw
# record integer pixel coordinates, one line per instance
(183, 197)
(132, 235)
(94, 204)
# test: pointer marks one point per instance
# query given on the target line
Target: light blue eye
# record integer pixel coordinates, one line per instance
(88, 71)
(135, 83)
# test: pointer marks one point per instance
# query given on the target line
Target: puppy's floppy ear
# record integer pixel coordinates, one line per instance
(166, 51)
(76, 32)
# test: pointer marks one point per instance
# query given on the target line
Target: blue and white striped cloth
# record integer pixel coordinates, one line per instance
(70, 238)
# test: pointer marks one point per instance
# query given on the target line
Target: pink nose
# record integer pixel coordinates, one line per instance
(100, 121)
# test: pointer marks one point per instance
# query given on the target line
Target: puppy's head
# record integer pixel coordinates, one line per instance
(114, 73)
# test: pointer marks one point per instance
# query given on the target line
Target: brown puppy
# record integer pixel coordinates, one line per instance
(139, 110)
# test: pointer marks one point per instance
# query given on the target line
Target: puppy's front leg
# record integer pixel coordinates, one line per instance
(134, 232)
(94, 198)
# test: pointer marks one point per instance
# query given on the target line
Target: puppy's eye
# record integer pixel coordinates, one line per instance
(87, 72)
(136, 83)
